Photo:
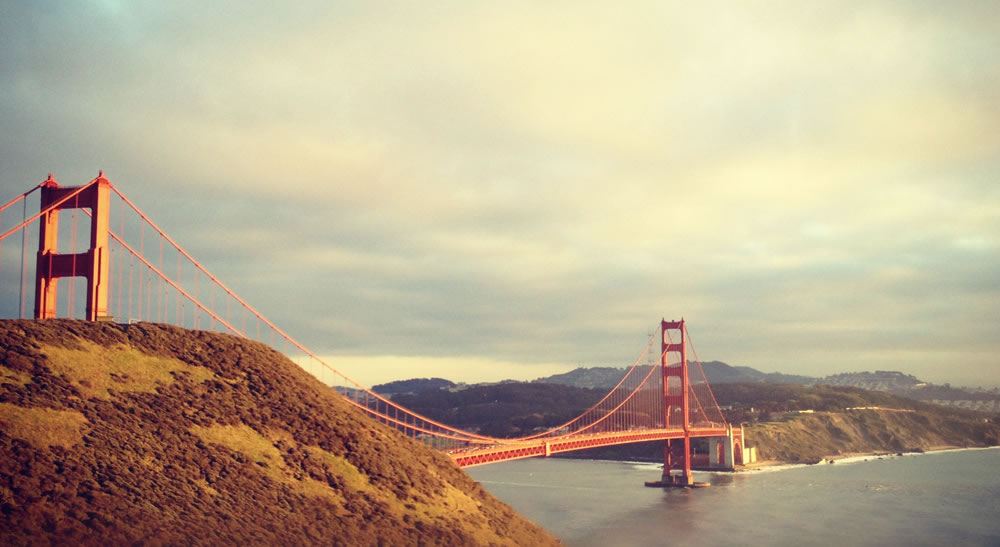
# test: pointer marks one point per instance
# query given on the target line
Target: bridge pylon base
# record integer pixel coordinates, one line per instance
(677, 481)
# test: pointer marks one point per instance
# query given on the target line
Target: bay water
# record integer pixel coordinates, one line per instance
(938, 498)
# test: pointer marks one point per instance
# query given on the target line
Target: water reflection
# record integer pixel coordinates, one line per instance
(931, 499)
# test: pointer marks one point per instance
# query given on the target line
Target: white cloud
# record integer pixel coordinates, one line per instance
(369, 370)
(551, 177)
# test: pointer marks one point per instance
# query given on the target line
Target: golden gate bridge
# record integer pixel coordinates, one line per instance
(128, 270)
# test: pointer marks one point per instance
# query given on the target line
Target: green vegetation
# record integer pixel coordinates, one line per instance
(122, 434)
(412, 385)
(503, 410)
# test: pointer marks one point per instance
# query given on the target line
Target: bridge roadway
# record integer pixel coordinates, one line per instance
(554, 445)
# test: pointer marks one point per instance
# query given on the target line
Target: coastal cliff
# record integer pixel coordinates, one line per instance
(809, 438)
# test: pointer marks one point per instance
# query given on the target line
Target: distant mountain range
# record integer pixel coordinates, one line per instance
(717, 372)
(839, 416)
(896, 383)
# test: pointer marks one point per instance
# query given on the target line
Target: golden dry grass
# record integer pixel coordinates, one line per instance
(43, 427)
(95, 369)
(353, 479)
(12, 376)
(247, 441)
(262, 449)
(203, 484)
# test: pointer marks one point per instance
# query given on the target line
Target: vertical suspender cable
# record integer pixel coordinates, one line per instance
(24, 262)
(121, 264)
(71, 289)
(111, 277)
(194, 310)
(131, 269)
(211, 299)
(142, 253)
(160, 306)
(177, 300)
(149, 296)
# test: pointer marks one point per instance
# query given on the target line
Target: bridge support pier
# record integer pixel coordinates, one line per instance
(721, 451)
(676, 413)
(673, 461)
(683, 463)
(675, 400)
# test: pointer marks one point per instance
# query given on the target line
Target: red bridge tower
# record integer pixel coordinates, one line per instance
(675, 404)
(92, 263)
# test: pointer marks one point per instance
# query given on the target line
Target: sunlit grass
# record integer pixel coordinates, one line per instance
(336, 465)
(8, 376)
(43, 427)
(95, 369)
(247, 441)
(442, 505)
(263, 450)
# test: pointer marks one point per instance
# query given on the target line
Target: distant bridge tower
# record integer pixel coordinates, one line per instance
(92, 263)
(675, 404)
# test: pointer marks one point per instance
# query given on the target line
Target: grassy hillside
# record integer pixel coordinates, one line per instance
(114, 434)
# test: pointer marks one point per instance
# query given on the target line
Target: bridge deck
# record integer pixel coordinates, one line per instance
(555, 445)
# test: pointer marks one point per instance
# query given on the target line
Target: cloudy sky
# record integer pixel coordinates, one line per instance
(482, 191)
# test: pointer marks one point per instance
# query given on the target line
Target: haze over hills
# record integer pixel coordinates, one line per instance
(144, 433)
(787, 422)
(897, 383)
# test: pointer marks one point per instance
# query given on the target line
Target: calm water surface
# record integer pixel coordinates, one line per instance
(943, 498)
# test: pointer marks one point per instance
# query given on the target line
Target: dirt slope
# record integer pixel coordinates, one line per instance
(113, 434)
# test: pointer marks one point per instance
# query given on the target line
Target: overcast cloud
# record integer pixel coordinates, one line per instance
(488, 191)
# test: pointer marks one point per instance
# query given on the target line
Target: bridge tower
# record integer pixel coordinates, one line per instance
(92, 264)
(675, 404)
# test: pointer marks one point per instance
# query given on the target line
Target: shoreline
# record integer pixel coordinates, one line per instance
(853, 457)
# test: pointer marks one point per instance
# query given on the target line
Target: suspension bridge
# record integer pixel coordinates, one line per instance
(128, 269)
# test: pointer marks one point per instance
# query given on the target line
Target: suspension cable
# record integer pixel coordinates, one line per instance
(384, 409)
(705, 377)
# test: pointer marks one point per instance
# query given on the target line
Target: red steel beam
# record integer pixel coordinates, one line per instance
(547, 447)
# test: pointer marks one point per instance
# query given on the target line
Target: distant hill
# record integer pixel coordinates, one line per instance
(880, 380)
(150, 434)
(507, 409)
(909, 386)
(414, 385)
(590, 378)
(717, 372)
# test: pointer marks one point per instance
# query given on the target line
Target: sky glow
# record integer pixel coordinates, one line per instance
(486, 191)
